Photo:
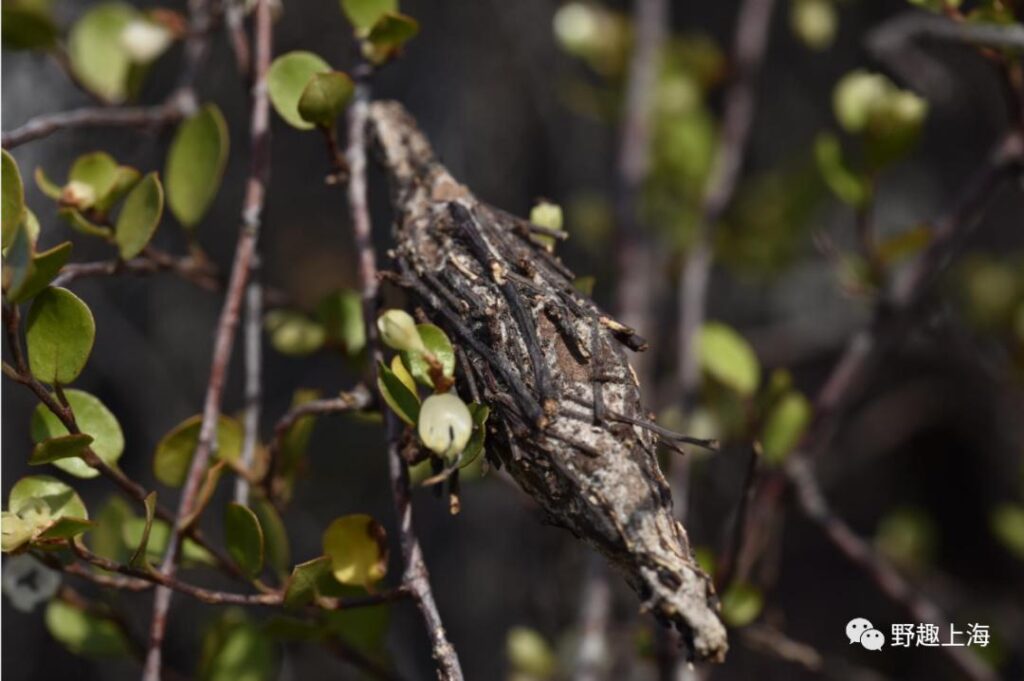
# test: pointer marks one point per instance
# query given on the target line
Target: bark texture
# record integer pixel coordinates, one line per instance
(566, 419)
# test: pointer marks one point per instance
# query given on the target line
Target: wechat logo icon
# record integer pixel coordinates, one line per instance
(860, 630)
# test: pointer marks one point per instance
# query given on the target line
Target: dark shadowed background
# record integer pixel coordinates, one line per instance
(939, 430)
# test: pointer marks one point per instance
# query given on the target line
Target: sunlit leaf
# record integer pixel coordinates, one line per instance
(365, 13)
(139, 217)
(244, 538)
(12, 207)
(84, 633)
(98, 171)
(324, 98)
(402, 400)
(728, 358)
(95, 51)
(436, 342)
(286, 81)
(195, 165)
(57, 448)
(59, 333)
(357, 547)
(66, 527)
(174, 452)
(94, 419)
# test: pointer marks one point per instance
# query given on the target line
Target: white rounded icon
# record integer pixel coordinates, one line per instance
(872, 639)
(856, 627)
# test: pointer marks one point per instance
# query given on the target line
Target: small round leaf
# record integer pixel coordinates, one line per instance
(174, 452)
(325, 97)
(59, 332)
(358, 549)
(364, 13)
(94, 419)
(48, 495)
(95, 51)
(139, 216)
(84, 633)
(195, 165)
(244, 538)
(287, 80)
(727, 357)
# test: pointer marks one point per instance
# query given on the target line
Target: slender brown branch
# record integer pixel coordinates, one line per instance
(886, 577)
(415, 574)
(151, 261)
(252, 209)
(97, 117)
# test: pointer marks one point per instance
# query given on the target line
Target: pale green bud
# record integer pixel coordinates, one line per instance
(445, 424)
(398, 331)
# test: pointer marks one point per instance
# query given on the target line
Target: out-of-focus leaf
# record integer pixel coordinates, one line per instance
(244, 538)
(341, 315)
(84, 633)
(295, 442)
(293, 333)
(138, 558)
(728, 358)
(28, 26)
(107, 540)
(363, 14)
(59, 333)
(358, 549)
(12, 206)
(907, 537)
(741, 605)
(324, 98)
(139, 217)
(277, 547)
(174, 452)
(94, 419)
(528, 653)
(846, 185)
(95, 51)
(83, 225)
(814, 22)
(28, 281)
(286, 81)
(388, 35)
(236, 649)
(195, 165)
(159, 534)
(784, 425)
(1007, 522)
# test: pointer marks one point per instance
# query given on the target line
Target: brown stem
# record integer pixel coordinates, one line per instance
(95, 117)
(259, 171)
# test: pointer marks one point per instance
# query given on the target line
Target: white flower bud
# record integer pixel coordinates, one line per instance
(78, 194)
(398, 331)
(445, 424)
(144, 40)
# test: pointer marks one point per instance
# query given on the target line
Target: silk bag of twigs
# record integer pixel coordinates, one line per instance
(566, 417)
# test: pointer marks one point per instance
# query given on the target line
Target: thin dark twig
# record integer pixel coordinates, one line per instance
(97, 117)
(227, 325)
(415, 575)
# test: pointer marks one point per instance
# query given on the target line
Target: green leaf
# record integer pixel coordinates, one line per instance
(358, 549)
(365, 629)
(94, 419)
(907, 537)
(844, 183)
(205, 493)
(98, 171)
(397, 394)
(66, 528)
(529, 654)
(303, 584)
(47, 186)
(1007, 523)
(295, 443)
(107, 539)
(341, 314)
(159, 534)
(138, 558)
(365, 13)
(741, 605)
(275, 537)
(324, 98)
(12, 206)
(47, 496)
(28, 281)
(286, 81)
(475, 447)
(59, 333)
(235, 649)
(95, 51)
(27, 27)
(57, 448)
(437, 343)
(125, 179)
(785, 424)
(388, 35)
(195, 165)
(244, 538)
(84, 633)
(294, 334)
(139, 217)
(728, 358)
(81, 224)
(174, 452)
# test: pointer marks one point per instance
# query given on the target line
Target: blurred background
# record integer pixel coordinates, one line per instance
(522, 101)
